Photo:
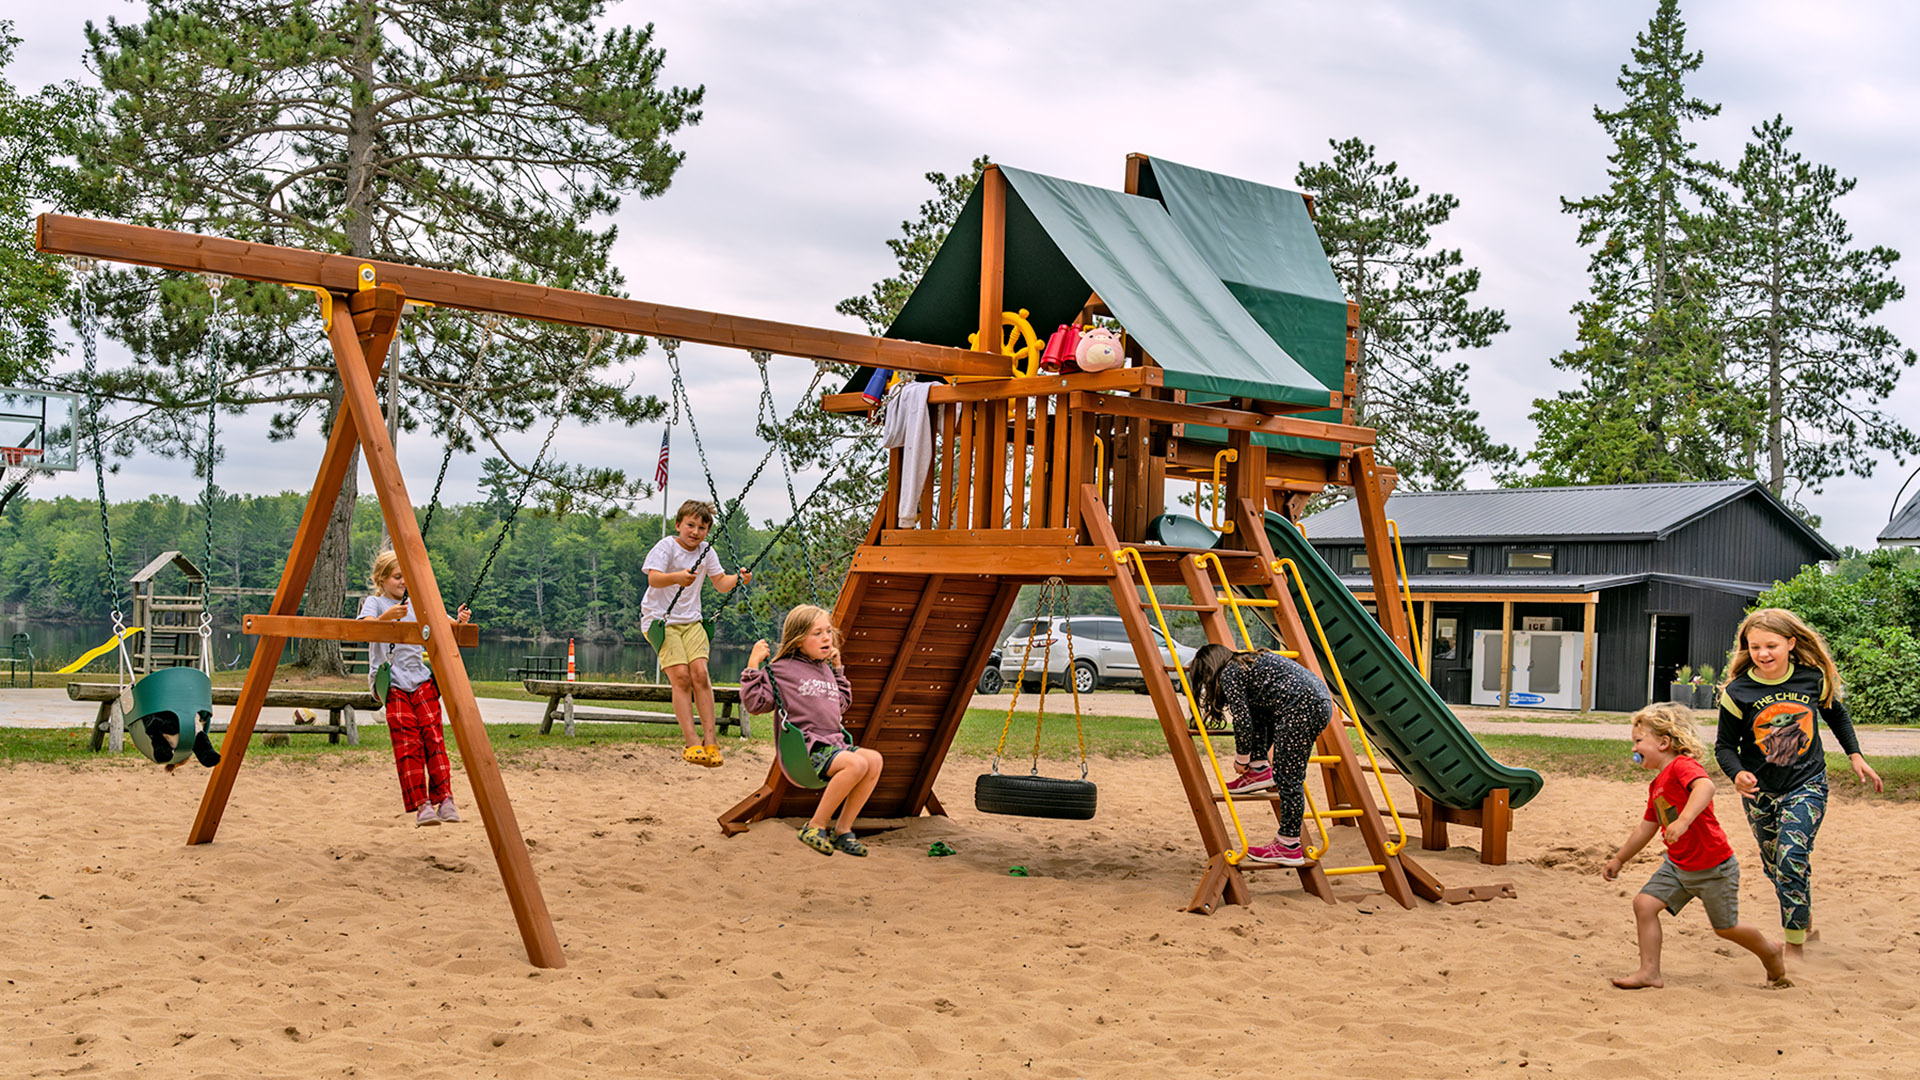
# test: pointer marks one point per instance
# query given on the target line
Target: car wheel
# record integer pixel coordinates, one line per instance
(991, 681)
(1085, 677)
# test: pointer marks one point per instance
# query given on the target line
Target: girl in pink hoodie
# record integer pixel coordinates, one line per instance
(809, 687)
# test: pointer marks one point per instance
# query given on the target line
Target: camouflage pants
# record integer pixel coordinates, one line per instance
(1785, 826)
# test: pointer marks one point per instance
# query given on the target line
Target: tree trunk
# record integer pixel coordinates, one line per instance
(330, 572)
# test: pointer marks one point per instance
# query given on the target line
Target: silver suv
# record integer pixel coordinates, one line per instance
(1102, 652)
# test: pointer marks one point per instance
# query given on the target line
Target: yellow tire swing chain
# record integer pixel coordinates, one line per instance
(1034, 795)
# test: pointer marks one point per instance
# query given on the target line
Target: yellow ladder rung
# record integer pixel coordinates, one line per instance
(1335, 814)
(1245, 601)
(1323, 759)
(1338, 870)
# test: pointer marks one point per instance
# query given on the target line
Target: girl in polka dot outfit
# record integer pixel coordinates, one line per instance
(1279, 709)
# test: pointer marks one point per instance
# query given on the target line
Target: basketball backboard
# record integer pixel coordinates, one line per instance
(39, 428)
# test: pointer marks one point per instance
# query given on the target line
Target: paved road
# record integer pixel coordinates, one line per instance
(49, 708)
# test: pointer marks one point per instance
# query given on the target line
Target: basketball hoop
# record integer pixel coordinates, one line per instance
(15, 457)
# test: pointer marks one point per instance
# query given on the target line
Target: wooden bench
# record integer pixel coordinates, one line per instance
(109, 725)
(561, 696)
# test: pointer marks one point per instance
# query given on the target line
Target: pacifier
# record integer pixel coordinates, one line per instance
(1639, 758)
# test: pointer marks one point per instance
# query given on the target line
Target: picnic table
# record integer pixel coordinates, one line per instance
(561, 696)
(539, 667)
(109, 726)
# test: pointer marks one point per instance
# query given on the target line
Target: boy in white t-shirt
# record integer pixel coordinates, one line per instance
(674, 568)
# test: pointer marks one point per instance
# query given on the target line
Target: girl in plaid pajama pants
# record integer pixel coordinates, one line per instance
(412, 701)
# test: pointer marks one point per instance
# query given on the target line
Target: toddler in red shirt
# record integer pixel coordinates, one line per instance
(1699, 861)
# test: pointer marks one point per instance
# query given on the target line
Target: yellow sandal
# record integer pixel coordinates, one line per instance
(694, 755)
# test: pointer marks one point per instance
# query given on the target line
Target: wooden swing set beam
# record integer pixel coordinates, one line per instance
(61, 234)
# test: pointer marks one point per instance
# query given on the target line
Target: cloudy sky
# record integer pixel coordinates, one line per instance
(822, 118)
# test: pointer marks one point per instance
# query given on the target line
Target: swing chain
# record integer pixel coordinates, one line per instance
(89, 346)
(1051, 606)
(211, 345)
(533, 471)
(488, 324)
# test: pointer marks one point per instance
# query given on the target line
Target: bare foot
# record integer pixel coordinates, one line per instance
(1639, 980)
(1776, 961)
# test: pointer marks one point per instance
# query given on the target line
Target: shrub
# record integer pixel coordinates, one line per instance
(1882, 678)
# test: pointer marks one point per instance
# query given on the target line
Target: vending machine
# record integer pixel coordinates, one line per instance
(1546, 669)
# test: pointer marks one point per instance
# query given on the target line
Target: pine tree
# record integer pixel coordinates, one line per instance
(1653, 403)
(1415, 306)
(463, 134)
(1800, 300)
(812, 557)
(36, 133)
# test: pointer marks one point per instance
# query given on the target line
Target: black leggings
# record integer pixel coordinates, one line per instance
(1279, 709)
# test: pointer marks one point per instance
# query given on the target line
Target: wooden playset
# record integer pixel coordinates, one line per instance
(1032, 478)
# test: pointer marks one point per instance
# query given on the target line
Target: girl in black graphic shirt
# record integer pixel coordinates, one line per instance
(1780, 679)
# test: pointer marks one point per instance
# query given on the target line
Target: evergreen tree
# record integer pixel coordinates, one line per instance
(1800, 300)
(36, 134)
(1415, 306)
(812, 558)
(1653, 403)
(463, 134)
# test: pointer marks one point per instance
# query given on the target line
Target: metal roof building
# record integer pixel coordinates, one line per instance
(1641, 579)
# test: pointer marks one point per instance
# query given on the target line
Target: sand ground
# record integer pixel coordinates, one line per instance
(323, 935)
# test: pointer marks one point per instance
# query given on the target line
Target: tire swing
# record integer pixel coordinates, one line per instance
(1034, 795)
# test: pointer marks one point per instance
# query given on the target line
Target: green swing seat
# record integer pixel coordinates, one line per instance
(1178, 530)
(183, 693)
(794, 762)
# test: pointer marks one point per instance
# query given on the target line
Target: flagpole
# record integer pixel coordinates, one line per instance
(665, 435)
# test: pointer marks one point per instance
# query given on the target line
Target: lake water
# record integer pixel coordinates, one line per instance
(490, 662)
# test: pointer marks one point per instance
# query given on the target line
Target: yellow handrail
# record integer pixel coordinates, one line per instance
(1406, 593)
(1193, 707)
(1099, 467)
(1219, 520)
(1234, 602)
(1366, 744)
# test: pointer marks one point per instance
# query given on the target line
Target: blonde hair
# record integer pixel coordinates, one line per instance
(1809, 648)
(1674, 723)
(384, 564)
(694, 508)
(798, 624)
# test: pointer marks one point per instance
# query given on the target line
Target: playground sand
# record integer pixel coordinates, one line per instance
(322, 935)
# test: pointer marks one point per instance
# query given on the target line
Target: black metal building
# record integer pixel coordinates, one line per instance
(1651, 576)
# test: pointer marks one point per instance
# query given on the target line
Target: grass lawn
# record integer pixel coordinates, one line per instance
(980, 732)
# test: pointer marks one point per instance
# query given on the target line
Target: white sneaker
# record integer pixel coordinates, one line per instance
(447, 811)
(428, 815)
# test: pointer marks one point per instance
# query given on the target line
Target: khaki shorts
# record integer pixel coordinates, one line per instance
(1718, 888)
(685, 643)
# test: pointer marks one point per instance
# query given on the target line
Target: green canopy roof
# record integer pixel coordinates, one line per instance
(1066, 241)
(1260, 242)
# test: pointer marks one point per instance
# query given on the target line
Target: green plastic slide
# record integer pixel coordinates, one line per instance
(1403, 715)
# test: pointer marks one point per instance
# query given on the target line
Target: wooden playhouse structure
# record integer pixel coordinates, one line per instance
(1239, 353)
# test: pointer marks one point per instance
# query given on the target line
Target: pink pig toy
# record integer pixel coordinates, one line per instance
(1099, 350)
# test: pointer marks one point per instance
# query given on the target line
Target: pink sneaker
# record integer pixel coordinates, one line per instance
(447, 812)
(1260, 779)
(1278, 854)
(428, 815)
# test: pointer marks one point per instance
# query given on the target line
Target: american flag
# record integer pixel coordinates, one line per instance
(660, 469)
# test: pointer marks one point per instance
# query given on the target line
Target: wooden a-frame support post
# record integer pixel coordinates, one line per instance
(360, 347)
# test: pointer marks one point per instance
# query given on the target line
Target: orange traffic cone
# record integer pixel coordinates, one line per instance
(570, 676)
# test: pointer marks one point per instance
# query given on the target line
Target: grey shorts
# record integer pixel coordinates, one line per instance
(822, 755)
(1718, 888)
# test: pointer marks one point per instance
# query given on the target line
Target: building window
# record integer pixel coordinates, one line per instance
(1446, 632)
(1449, 560)
(1530, 560)
(1357, 560)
